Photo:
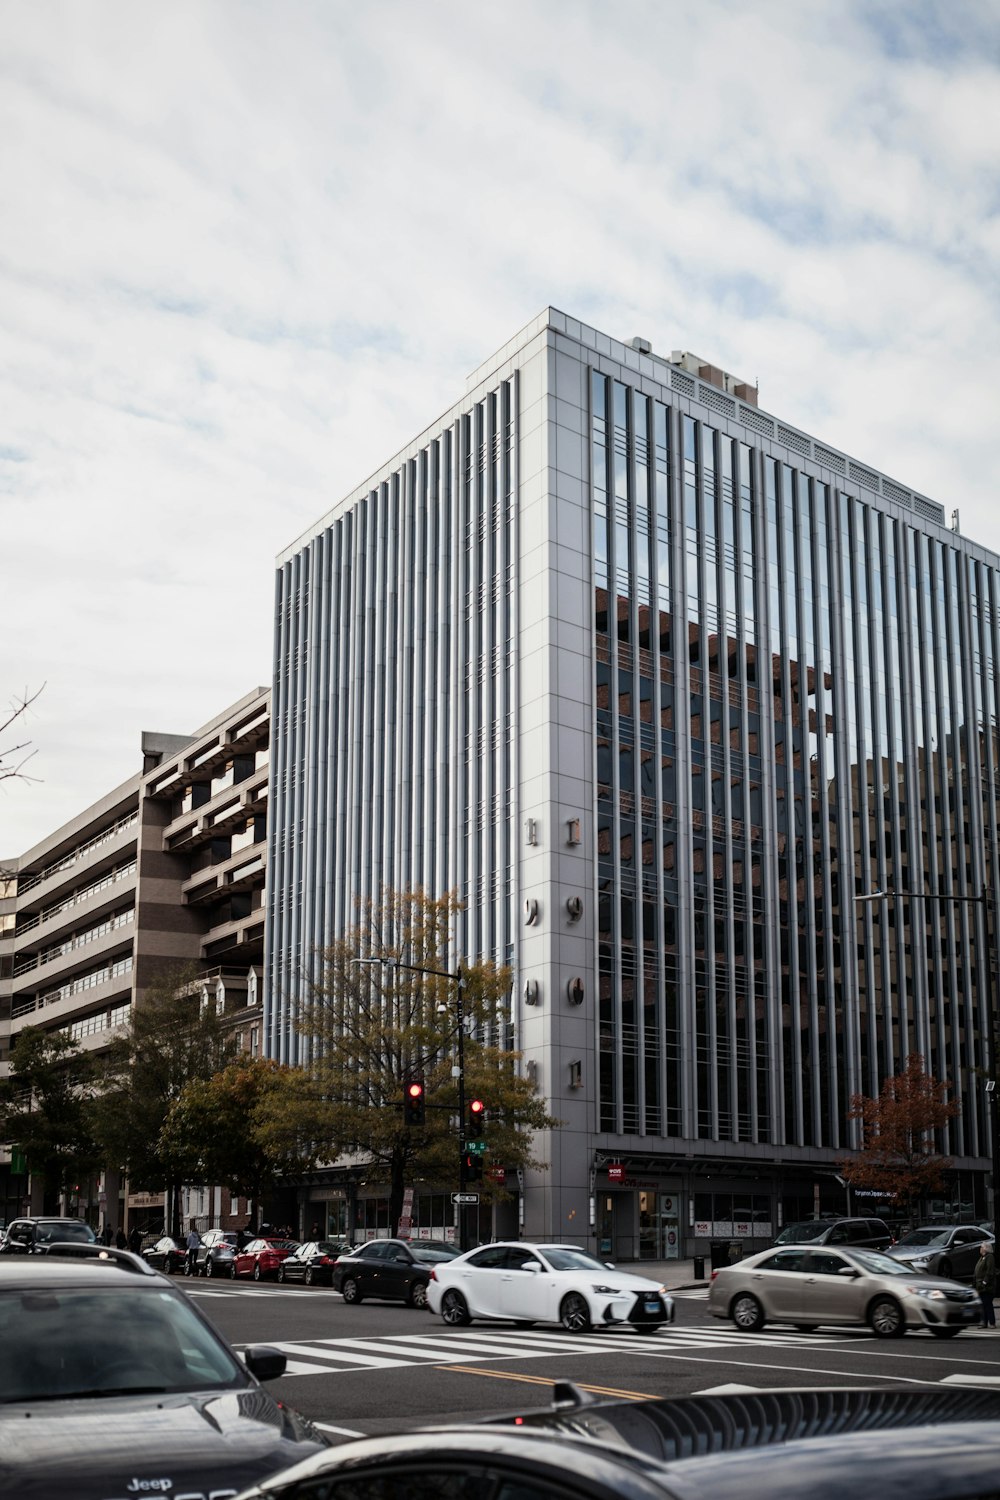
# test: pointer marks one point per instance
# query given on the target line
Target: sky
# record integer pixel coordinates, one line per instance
(251, 249)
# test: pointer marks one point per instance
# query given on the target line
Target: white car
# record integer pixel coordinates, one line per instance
(545, 1284)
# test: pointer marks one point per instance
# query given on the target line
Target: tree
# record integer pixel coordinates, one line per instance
(170, 1041)
(372, 1026)
(213, 1129)
(899, 1155)
(14, 757)
(46, 1109)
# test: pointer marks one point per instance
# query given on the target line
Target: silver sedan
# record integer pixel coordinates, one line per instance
(942, 1249)
(804, 1287)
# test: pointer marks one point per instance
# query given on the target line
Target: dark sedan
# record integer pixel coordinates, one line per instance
(166, 1254)
(313, 1262)
(397, 1270)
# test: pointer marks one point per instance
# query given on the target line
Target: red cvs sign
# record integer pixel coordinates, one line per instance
(616, 1172)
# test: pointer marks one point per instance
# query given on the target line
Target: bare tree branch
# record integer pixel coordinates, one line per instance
(10, 765)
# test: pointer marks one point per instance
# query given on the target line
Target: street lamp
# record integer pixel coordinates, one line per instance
(984, 899)
(457, 978)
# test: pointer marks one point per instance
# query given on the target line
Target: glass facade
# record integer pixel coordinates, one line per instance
(795, 707)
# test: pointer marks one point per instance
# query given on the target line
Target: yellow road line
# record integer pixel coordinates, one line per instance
(596, 1390)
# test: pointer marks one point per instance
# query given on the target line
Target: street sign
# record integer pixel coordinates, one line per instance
(465, 1197)
(478, 1148)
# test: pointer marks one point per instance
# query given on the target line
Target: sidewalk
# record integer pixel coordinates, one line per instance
(676, 1275)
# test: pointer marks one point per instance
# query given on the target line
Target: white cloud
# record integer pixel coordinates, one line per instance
(251, 249)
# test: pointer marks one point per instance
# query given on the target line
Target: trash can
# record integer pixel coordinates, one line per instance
(699, 1267)
(718, 1254)
(735, 1251)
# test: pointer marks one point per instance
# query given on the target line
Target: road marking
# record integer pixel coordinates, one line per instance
(343, 1431)
(597, 1390)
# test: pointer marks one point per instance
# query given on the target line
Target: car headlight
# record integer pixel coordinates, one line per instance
(926, 1291)
(605, 1290)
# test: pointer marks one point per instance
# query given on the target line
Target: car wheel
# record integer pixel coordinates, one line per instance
(946, 1333)
(574, 1314)
(310, 1276)
(417, 1294)
(350, 1291)
(454, 1311)
(281, 1274)
(747, 1313)
(210, 1267)
(944, 1267)
(257, 1272)
(885, 1317)
(232, 1271)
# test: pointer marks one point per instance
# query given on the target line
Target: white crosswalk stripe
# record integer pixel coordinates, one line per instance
(455, 1347)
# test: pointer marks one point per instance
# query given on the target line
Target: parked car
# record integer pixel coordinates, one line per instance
(545, 1284)
(313, 1262)
(806, 1287)
(261, 1258)
(98, 1344)
(864, 1234)
(164, 1253)
(395, 1269)
(33, 1236)
(216, 1252)
(779, 1444)
(942, 1249)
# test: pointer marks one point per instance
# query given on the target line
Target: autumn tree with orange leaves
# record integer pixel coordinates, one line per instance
(899, 1155)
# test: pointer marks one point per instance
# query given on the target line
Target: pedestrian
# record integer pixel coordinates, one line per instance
(243, 1236)
(193, 1241)
(986, 1281)
(314, 1232)
(121, 1240)
(134, 1239)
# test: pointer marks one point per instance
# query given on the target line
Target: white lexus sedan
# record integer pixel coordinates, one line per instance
(545, 1284)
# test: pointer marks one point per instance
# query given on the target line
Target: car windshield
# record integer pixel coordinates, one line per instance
(61, 1342)
(432, 1255)
(61, 1234)
(572, 1260)
(281, 1244)
(879, 1264)
(924, 1237)
(801, 1234)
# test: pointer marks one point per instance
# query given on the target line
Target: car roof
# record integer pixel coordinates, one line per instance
(107, 1266)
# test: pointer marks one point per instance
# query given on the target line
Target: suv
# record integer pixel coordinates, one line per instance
(34, 1236)
(216, 1253)
(853, 1234)
(98, 1345)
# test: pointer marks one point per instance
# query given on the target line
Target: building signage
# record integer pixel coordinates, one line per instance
(616, 1172)
(497, 1174)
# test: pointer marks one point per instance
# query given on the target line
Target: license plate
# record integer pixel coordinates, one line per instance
(652, 1305)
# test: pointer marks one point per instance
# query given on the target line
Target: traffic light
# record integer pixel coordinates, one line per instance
(472, 1164)
(413, 1102)
(477, 1114)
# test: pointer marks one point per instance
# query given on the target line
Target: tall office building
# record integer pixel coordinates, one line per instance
(662, 686)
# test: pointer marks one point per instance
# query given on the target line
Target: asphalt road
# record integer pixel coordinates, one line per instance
(382, 1367)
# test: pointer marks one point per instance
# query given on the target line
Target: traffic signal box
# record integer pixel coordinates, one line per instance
(472, 1166)
(414, 1104)
(477, 1115)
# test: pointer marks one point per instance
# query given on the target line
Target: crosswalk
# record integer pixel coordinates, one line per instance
(456, 1347)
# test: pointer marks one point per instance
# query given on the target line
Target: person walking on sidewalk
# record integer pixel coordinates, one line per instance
(986, 1281)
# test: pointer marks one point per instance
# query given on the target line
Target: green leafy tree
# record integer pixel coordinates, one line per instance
(170, 1041)
(237, 1128)
(373, 1025)
(899, 1155)
(46, 1108)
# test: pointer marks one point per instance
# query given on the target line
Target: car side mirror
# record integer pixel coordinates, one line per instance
(534, 1266)
(848, 1271)
(610, 1264)
(264, 1362)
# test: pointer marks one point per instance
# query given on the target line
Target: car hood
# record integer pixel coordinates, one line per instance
(118, 1447)
(622, 1281)
(915, 1252)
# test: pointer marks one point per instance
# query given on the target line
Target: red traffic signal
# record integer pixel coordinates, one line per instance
(477, 1115)
(413, 1102)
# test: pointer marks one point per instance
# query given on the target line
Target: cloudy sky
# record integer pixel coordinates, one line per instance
(250, 249)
